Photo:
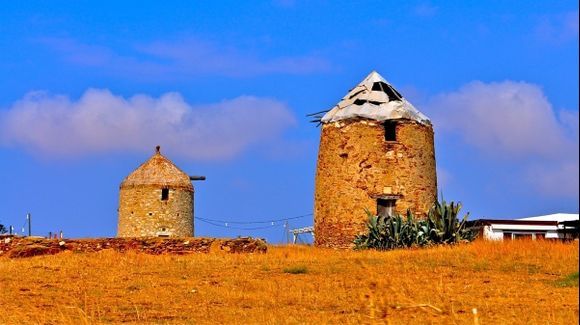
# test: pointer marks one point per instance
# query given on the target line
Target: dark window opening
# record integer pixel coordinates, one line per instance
(164, 194)
(359, 102)
(385, 207)
(387, 89)
(377, 86)
(394, 91)
(390, 130)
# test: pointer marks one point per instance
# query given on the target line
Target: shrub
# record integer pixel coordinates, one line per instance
(296, 270)
(393, 232)
(440, 227)
(444, 225)
(571, 280)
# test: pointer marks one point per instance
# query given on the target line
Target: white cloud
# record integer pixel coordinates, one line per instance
(514, 122)
(444, 177)
(101, 122)
(183, 58)
(558, 28)
(560, 179)
(503, 118)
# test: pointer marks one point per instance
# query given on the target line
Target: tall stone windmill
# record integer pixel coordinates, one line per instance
(377, 153)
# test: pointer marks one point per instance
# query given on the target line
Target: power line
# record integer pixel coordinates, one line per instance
(272, 223)
(253, 222)
(225, 225)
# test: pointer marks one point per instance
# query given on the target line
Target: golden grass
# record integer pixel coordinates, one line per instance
(512, 282)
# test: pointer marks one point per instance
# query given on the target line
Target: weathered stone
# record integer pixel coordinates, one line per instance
(25, 247)
(156, 200)
(356, 165)
(32, 250)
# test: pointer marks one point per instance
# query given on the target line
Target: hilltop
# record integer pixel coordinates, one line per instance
(510, 282)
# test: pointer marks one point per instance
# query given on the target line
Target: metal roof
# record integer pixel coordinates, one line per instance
(559, 217)
(374, 98)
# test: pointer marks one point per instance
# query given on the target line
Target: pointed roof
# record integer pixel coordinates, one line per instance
(376, 99)
(158, 171)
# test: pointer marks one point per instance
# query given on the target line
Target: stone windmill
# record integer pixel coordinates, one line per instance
(156, 200)
(377, 153)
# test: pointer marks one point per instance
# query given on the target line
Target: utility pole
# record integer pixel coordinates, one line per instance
(29, 224)
(287, 229)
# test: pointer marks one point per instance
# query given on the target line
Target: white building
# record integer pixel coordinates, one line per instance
(552, 226)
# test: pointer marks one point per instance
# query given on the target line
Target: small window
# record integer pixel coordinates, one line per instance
(164, 194)
(386, 207)
(390, 130)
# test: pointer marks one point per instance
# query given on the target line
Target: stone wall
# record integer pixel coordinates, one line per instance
(18, 247)
(142, 213)
(356, 165)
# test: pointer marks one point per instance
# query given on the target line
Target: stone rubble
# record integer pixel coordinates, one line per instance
(19, 247)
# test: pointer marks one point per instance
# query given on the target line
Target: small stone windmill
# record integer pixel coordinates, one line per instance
(156, 200)
(377, 153)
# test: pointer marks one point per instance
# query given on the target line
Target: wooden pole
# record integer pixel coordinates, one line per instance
(29, 224)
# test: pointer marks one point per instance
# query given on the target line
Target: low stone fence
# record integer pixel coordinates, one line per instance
(16, 247)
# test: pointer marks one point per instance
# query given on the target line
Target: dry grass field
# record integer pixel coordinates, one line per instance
(520, 282)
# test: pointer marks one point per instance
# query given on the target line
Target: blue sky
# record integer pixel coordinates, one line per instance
(89, 88)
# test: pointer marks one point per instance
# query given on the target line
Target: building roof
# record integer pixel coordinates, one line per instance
(548, 222)
(513, 222)
(559, 217)
(374, 98)
(158, 171)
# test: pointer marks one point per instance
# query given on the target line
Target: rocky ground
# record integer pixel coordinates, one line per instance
(18, 247)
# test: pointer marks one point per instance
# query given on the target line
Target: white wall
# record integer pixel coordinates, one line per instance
(492, 234)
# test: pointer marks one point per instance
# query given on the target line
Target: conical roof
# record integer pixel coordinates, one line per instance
(374, 98)
(158, 171)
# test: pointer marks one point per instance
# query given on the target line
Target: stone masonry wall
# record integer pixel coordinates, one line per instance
(356, 165)
(18, 247)
(142, 213)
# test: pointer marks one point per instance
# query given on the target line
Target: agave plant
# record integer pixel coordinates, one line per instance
(393, 232)
(444, 225)
(441, 227)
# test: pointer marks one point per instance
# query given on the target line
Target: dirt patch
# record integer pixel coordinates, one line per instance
(18, 247)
